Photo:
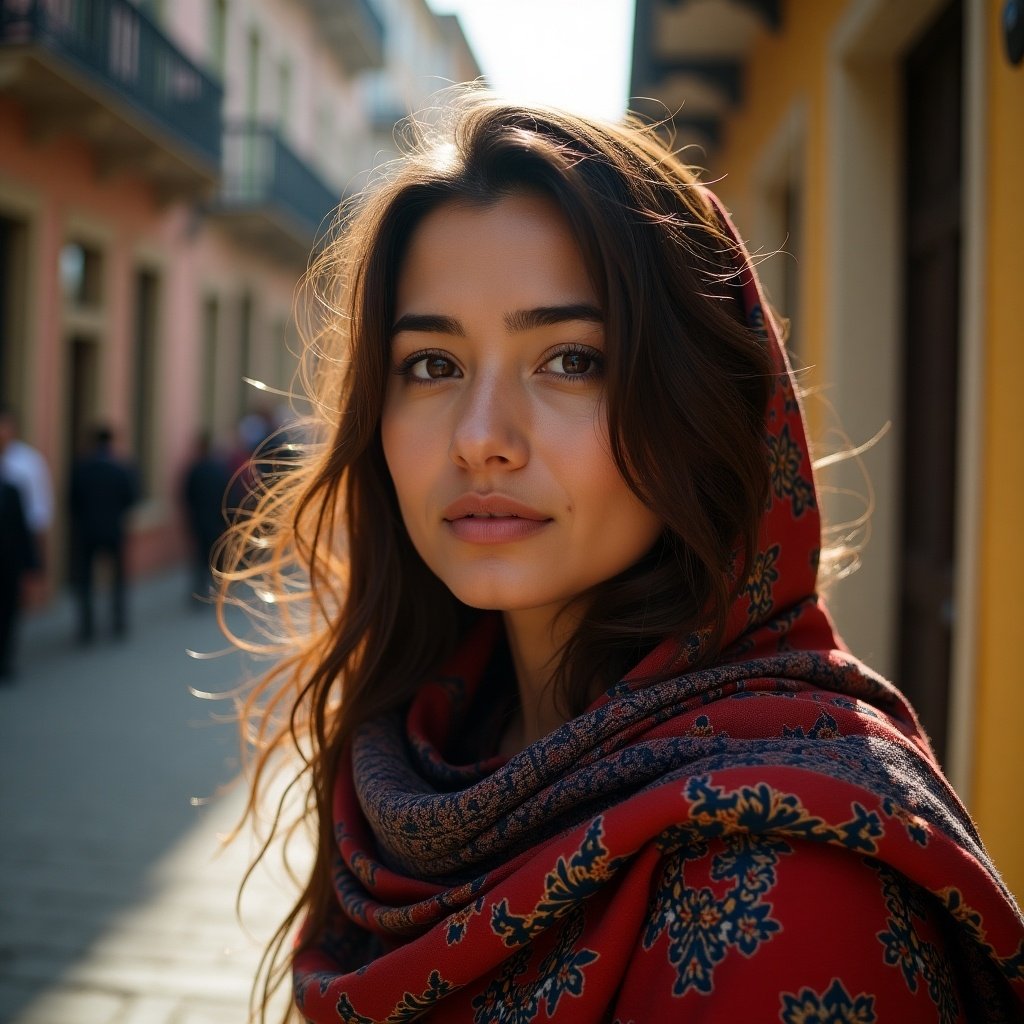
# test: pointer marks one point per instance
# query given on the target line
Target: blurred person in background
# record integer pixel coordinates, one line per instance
(252, 433)
(25, 467)
(579, 738)
(203, 491)
(18, 557)
(102, 489)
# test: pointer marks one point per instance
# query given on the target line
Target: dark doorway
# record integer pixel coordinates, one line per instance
(932, 83)
(13, 292)
(83, 382)
(147, 292)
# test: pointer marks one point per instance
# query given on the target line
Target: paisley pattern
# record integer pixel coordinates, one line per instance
(768, 838)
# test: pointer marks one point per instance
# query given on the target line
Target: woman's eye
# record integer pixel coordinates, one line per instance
(433, 367)
(573, 364)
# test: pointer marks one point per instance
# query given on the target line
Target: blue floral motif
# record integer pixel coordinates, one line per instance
(755, 317)
(762, 810)
(560, 973)
(571, 881)
(1011, 967)
(784, 622)
(917, 959)
(458, 922)
(824, 728)
(321, 979)
(412, 1006)
(833, 1006)
(408, 1008)
(785, 460)
(702, 927)
(504, 998)
(861, 832)
(347, 1013)
(759, 586)
(364, 869)
(562, 968)
(917, 828)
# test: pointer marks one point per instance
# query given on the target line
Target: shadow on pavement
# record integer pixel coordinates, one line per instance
(106, 764)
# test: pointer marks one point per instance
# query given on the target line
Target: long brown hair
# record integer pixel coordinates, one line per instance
(360, 617)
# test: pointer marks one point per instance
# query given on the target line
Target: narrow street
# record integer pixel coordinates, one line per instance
(117, 903)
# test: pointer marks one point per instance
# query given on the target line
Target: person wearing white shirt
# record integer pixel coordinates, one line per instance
(23, 466)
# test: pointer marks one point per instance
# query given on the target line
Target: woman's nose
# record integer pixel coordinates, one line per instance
(490, 429)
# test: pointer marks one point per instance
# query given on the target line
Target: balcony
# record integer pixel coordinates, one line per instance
(103, 70)
(270, 198)
(689, 59)
(353, 29)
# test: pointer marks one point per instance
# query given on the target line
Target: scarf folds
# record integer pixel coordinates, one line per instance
(766, 839)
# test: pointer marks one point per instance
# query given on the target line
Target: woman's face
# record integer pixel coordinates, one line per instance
(494, 425)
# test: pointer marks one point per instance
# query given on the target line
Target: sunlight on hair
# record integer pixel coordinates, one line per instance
(844, 541)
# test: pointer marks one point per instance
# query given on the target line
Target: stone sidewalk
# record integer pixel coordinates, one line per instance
(117, 904)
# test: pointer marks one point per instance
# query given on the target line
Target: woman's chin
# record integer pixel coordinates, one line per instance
(510, 597)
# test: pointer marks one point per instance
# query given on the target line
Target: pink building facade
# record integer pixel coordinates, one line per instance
(164, 171)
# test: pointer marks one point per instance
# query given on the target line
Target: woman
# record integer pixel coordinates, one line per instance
(582, 744)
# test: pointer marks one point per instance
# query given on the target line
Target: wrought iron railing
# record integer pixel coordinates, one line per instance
(260, 169)
(117, 45)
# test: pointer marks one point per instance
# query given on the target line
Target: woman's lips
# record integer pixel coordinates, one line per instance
(493, 519)
(495, 529)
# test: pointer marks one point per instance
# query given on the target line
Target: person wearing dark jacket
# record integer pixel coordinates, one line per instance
(18, 555)
(103, 488)
(203, 490)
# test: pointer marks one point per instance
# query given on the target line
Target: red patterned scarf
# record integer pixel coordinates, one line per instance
(768, 839)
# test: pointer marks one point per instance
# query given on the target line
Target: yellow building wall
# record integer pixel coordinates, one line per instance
(792, 65)
(785, 68)
(997, 797)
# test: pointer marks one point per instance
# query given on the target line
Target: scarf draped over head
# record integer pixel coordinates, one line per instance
(766, 839)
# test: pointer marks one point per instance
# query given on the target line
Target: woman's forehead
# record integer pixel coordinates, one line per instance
(518, 252)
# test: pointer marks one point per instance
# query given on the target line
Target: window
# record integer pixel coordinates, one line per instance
(81, 270)
(80, 276)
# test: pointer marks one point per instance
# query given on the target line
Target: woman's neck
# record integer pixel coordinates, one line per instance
(535, 639)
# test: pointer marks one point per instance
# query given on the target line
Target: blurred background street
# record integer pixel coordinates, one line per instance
(166, 171)
(118, 906)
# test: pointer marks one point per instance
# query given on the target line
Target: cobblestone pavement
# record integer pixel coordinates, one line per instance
(117, 905)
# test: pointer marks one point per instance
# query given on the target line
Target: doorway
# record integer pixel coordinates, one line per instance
(83, 392)
(13, 328)
(933, 228)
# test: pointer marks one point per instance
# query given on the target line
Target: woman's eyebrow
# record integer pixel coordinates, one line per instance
(547, 316)
(429, 323)
(519, 320)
